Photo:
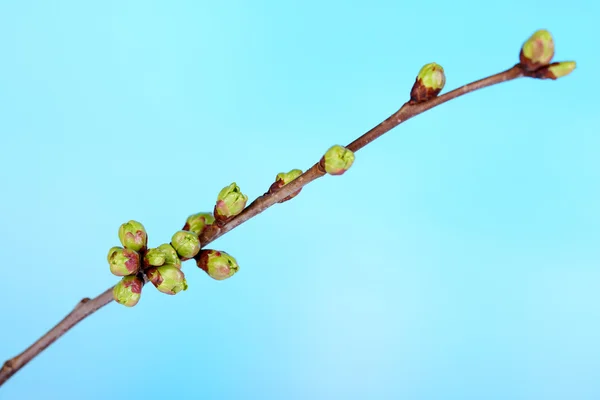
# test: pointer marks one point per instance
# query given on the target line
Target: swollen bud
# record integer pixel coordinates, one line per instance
(154, 257)
(230, 202)
(337, 160)
(171, 256)
(167, 279)
(128, 291)
(282, 179)
(217, 264)
(555, 70)
(186, 243)
(133, 235)
(123, 262)
(429, 83)
(537, 51)
(197, 222)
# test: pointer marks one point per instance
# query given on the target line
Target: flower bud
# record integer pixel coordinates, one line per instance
(123, 262)
(167, 279)
(282, 179)
(555, 70)
(429, 83)
(337, 160)
(186, 243)
(537, 51)
(171, 256)
(154, 257)
(198, 222)
(230, 202)
(128, 291)
(133, 235)
(217, 264)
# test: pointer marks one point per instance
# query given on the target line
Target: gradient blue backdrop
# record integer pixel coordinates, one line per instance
(457, 259)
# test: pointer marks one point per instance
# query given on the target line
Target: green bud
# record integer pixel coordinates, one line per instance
(133, 235)
(123, 262)
(198, 222)
(282, 179)
(287, 177)
(128, 291)
(230, 202)
(167, 279)
(217, 264)
(155, 257)
(171, 256)
(537, 51)
(560, 69)
(338, 160)
(429, 83)
(186, 243)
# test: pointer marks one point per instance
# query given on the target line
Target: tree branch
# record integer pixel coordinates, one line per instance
(88, 306)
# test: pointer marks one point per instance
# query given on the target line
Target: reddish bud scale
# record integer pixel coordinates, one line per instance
(420, 93)
(154, 277)
(220, 219)
(202, 260)
(128, 291)
(135, 285)
(133, 260)
(123, 262)
(278, 184)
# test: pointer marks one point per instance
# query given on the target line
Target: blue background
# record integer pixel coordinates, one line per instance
(457, 259)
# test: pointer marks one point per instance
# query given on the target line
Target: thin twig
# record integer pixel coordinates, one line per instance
(88, 306)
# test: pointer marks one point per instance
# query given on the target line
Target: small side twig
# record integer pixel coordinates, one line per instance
(88, 306)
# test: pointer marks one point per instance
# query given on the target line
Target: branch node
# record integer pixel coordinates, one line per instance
(82, 302)
(321, 166)
(8, 365)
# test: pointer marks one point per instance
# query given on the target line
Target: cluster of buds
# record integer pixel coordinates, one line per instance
(126, 261)
(536, 56)
(134, 262)
(137, 264)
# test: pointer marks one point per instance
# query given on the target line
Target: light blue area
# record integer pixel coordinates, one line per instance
(457, 259)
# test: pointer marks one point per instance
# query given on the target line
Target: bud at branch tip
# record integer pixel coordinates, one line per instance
(537, 51)
(556, 70)
(429, 83)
